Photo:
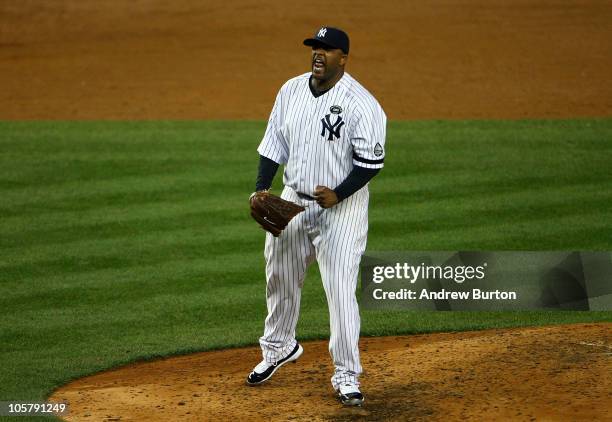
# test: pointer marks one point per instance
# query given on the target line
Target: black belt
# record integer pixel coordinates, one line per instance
(304, 196)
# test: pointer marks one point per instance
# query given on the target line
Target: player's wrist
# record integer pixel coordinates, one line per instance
(258, 191)
(339, 196)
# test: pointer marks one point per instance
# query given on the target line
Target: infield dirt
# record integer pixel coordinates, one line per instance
(553, 373)
(190, 59)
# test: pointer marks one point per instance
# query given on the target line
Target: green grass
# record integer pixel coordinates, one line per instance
(131, 240)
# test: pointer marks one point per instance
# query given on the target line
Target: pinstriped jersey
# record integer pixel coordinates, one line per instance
(319, 138)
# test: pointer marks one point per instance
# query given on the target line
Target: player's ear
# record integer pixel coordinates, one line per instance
(343, 59)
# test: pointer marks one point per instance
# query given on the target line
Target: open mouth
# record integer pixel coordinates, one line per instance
(318, 64)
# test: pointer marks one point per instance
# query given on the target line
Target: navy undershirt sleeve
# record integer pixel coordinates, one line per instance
(357, 178)
(267, 171)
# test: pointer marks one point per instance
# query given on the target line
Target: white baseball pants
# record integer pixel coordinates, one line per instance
(336, 237)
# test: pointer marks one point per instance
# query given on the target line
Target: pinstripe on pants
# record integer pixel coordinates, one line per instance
(336, 237)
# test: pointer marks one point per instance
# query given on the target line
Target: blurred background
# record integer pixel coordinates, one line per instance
(191, 59)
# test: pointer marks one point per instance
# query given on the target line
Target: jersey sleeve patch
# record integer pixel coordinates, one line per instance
(378, 149)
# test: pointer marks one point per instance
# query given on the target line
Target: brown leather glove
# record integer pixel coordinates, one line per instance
(272, 212)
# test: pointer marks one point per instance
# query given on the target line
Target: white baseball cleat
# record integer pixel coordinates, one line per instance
(264, 370)
(350, 395)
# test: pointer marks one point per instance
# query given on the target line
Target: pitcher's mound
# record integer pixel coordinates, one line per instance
(543, 373)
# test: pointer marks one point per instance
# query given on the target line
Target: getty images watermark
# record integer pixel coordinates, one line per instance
(487, 280)
(411, 273)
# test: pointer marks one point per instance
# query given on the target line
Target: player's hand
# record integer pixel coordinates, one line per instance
(325, 197)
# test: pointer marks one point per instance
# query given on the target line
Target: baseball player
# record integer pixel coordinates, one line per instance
(329, 133)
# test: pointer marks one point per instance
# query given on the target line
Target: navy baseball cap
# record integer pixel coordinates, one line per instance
(332, 37)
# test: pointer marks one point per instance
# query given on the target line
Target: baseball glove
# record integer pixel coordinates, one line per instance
(272, 212)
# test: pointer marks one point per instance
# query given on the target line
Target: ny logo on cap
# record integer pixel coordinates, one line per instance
(322, 32)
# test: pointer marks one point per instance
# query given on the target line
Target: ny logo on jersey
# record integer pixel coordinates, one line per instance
(322, 32)
(334, 129)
